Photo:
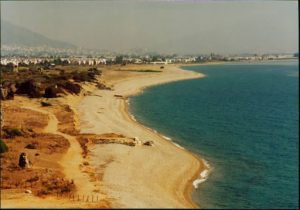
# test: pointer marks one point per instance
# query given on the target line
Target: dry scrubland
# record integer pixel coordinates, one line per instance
(42, 120)
(28, 97)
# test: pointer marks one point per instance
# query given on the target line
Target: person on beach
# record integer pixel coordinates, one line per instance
(23, 161)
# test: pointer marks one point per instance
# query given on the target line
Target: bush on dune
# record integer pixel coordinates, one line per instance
(88, 76)
(81, 77)
(70, 87)
(30, 88)
(95, 70)
(51, 92)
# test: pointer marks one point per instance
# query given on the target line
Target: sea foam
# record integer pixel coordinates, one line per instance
(133, 118)
(177, 145)
(203, 175)
(167, 138)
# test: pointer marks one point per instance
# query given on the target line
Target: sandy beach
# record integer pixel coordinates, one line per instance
(113, 164)
(159, 176)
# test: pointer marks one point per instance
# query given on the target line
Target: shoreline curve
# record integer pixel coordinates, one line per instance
(180, 190)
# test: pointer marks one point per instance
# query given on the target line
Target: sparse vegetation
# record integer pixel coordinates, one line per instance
(88, 76)
(29, 87)
(55, 185)
(11, 132)
(70, 87)
(37, 82)
(51, 92)
(31, 146)
(3, 146)
(33, 179)
(149, 70)
(7, 68)
(119, 59)
(102, 86)
(142, 70)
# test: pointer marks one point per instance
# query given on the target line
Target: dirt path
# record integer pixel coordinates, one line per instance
(71, 167)
(72, 159)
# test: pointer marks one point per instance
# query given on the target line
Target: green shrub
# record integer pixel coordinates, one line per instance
(3, 146)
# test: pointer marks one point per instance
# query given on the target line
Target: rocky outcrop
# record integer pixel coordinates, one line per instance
(113, 138)
(148, 143)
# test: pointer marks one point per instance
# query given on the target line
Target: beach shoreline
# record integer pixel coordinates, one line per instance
(178, 191)
(122, 175)
(189, 186)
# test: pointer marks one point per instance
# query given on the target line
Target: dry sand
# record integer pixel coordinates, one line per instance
(138, 177)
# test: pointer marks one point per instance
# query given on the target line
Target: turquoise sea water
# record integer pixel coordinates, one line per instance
(243, 119)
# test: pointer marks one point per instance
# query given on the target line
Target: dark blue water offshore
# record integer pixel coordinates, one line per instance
(243, 119)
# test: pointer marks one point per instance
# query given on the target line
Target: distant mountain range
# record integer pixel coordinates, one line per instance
(13, 35)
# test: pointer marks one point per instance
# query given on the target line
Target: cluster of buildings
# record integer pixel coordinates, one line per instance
(91, 61)
(129, 59)
(19, 61)
(261, 57)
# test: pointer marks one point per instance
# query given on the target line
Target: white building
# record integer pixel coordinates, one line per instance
(160, 62)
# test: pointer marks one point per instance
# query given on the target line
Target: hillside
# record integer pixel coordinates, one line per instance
(13, 35)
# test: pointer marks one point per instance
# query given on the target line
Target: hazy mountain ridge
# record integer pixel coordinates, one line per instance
(18, 36)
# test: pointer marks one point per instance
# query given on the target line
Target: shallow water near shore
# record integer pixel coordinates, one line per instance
(243, 119)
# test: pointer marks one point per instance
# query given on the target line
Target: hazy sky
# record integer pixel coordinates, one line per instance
(163, 26)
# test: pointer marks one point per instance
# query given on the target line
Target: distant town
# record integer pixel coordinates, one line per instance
(52, 57)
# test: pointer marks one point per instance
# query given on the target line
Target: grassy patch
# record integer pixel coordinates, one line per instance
(142, 70)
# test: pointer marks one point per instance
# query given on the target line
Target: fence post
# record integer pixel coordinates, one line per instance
(87, 199)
